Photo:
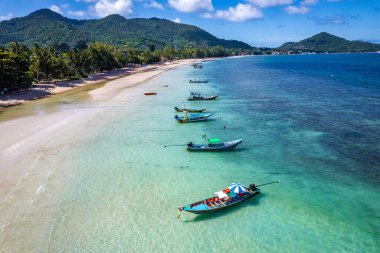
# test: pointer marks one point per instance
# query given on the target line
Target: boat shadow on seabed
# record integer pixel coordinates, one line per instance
(251, 203)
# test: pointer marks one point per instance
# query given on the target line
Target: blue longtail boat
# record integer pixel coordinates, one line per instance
(192, 117)
(235, 194)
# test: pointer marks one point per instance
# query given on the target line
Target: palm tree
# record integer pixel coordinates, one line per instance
(40, 63)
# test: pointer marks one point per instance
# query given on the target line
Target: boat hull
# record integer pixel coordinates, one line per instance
(189, 110)
(193, 119)
(191, 81)
(204, 148)
(222, 207)
(208, 98)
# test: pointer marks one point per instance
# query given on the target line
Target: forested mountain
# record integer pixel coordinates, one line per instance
(325, 42)
(46, 27)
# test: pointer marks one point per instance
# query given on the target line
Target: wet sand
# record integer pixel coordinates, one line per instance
(26, 134)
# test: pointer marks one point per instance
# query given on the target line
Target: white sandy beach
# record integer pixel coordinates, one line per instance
(38, 91)
(26, 140)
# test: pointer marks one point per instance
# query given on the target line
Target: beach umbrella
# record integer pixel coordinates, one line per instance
(237, 188)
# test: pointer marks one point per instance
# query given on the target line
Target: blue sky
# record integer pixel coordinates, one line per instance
(257, 22)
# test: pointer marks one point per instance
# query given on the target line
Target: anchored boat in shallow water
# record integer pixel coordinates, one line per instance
(197, 65)
(198, 81)
(235, 194)
(197, 96)
(214, 144)
(189, 110)
(150, 93)
(192, 117)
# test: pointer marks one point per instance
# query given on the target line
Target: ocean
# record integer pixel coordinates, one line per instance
(310, 121)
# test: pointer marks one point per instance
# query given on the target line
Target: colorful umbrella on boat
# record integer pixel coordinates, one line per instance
(237, 188)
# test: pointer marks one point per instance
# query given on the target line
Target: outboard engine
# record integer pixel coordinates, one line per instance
(253, 187)
(176, 117)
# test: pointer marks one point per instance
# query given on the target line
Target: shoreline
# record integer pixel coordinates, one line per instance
(44, 90)
(32, 132)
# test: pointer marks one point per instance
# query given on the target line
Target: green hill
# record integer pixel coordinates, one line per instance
(325, 42)
(47, 27)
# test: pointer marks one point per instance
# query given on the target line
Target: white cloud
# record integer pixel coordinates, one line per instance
(6, 17)
(191, 5)
(241, 12)
(177, 20)
(76, 13)
(269, 3)
(104, 8)
(55, 8)
(296, 10)
(309, 2)
(154, 4)
(207, 15)
(303, 8)
(333, 20)
(65, 6)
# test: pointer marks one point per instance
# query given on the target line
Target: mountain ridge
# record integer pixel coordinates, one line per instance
(325, 42)
(47, 27)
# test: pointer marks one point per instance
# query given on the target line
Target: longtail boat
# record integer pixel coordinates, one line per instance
(197, 65)
(214, 144)
(198, 81)
(235, 194)
(189, 110)
(192, 117)
(197, 96)
(150, 93)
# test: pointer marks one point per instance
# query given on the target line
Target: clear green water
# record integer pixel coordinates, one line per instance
(121, 187)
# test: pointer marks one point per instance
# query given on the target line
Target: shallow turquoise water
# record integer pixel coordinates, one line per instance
(315, 132)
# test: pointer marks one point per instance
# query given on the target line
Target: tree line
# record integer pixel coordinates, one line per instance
(20, 66)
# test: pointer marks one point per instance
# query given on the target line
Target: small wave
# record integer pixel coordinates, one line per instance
(40, 189)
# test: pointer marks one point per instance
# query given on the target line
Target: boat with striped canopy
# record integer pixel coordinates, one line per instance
(236, 193)
(231, 196)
